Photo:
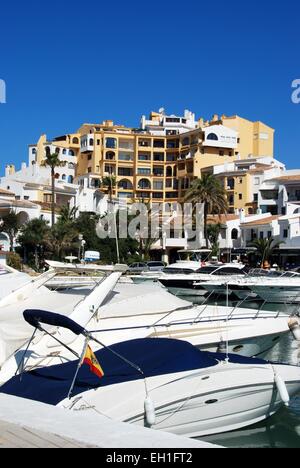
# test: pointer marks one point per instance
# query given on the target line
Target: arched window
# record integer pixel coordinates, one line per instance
(70, 179)
(47, 149)
(56, 176)
(175, 171)
(57, 150)
(71, 153)
(169, 171)
(212, 136)
(110, 155)
(71, 166)
(64, 151)
(64, 177)
(144, 184)
(234, 234)
(75, 141)
(125, 184)
(33, 150)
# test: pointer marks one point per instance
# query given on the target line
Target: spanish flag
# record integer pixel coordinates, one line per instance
(91, 360)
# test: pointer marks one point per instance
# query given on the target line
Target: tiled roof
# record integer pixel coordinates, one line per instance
(261, 222)
(222, 219)
(6, 192)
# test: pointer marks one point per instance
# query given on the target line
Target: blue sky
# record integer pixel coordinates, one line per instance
(69, 62)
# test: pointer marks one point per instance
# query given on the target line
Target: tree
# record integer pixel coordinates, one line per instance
(265, 248)
(67, 214)
(209, 191)
(32, 236)
(110, 182)
(53, 161)
(10, 225)
(62, 238)
(213, 233)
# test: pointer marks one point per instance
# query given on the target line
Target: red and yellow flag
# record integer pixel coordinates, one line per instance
(91, 360)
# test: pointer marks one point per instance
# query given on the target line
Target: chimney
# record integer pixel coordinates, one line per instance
(7, 171)
(23, 166)
(215, 118)
(201, 122)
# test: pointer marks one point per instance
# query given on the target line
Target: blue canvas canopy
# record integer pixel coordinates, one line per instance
(36, 317)
(154, 356)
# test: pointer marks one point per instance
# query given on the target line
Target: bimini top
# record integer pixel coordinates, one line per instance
(154, 357)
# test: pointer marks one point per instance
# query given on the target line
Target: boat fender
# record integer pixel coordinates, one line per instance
(295, 328)
(149, 411)
(281, 387)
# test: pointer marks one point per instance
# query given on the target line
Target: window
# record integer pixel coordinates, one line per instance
(230, 153)
(98, 142)
(64, 177)
(185, 142)
(71, 153)
(75, 141)
(169, 171)
(173, 144)
(111, 143)
(70, 179)
(64, 151)
(159, 144)
(238, 140)
(159, 157)
(158, 185)
(125, 171)
(240, 196)
(33, 151)
(285, 233)
(110, 155)
(261, 235)
(89, 170)
(158, 195)
(144, 157)
(269, 234)
(144, 171)
(171, 157)
(221, 153)
(256, 180)
(255, 197)
(144, 184)
(89, 157)
(234, 234)
(26, 197)
(125, 185)
(212, 136)
(125, 156)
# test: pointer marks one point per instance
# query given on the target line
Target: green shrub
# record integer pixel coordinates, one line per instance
(14, 261)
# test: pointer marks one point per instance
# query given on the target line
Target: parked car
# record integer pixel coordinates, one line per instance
(156, 266)
(138, 267)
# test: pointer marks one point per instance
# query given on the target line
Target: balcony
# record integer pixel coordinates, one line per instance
(87, 144)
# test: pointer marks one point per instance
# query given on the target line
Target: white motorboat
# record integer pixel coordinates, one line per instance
(149, 311)
(81, 304)
(164, 384)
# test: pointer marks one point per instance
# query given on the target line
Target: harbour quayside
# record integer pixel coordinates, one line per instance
(165, 384)
(149, 311)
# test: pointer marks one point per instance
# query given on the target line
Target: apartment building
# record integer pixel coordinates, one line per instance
(159, 160)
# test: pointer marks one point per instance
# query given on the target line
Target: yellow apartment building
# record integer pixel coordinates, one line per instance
(159, 160)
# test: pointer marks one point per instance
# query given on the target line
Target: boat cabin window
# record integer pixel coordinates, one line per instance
(178, 271)
(229, 271)
(209, 270)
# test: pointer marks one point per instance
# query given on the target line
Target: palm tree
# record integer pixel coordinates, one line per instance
(67, 214)
(209, 191)
(10, 225)
(53, 161)
(110, 182)
(265, 248)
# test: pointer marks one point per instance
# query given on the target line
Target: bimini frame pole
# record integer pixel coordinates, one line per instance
(86, 343)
